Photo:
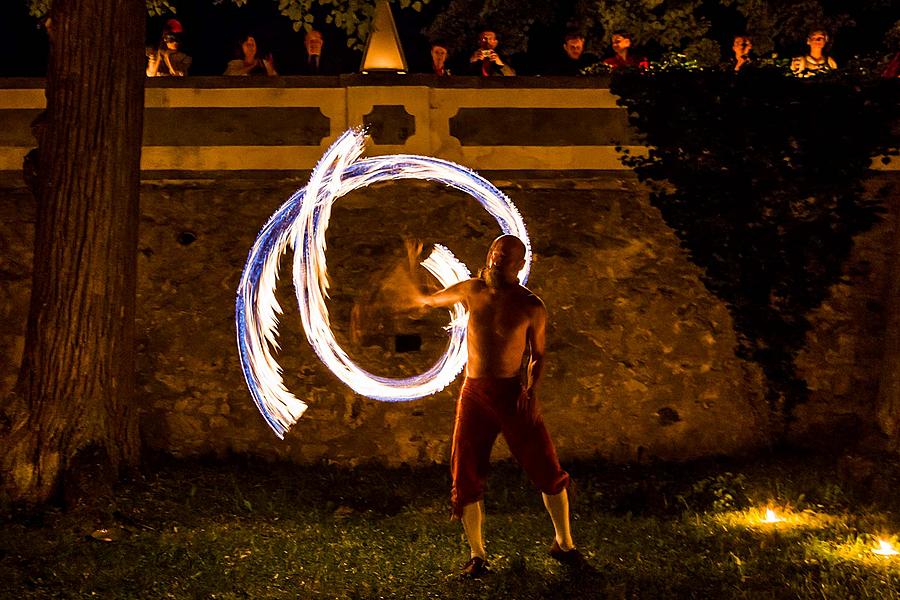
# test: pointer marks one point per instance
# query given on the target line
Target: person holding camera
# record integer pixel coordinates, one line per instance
(167, 59)
(485, 61)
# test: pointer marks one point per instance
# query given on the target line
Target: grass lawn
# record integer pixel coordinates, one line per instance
(248, 529)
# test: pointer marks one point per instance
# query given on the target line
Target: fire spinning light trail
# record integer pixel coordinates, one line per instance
(301, 223)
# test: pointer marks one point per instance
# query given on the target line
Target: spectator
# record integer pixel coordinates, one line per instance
(167, 59)
(622, 56)
(439, 59)
(316, 62)
(250, 63)
(816, 60)
(572, 60)
(892, 69)
(742, 47)
(485, 61)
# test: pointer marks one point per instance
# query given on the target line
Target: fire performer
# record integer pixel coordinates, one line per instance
(506, 321)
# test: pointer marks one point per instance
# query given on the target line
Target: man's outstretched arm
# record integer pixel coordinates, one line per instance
(448, 296)
(457, 292)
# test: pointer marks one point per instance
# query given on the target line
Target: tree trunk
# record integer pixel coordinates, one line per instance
(73, 402)
(889, 385)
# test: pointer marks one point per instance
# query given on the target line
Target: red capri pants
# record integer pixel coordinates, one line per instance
(486, 407)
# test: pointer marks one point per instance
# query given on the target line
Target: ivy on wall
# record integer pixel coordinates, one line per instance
(760, 175)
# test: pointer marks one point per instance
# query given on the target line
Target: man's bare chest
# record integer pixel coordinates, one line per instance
(497, 318)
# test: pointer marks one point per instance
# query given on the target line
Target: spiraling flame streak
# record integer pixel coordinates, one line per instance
(301, 223)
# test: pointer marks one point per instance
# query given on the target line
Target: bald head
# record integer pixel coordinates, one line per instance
(504, 261)
(511, 244)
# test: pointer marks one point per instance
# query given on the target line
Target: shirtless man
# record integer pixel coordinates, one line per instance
(506, 320)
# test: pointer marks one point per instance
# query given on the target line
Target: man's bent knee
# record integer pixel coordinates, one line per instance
(458, 507)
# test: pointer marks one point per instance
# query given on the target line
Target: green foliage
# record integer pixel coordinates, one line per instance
(760, 175)
(892, 38)
(704, 52)
(719, 493)
(159, 7)
(672, 24)
(350, 16)
(462, 20)
(787, 23)
(666, 26)
(39, 8)
(778, 23)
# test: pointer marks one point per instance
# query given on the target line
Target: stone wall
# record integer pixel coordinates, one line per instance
(16, 257)
(641, 360)
(843, 358)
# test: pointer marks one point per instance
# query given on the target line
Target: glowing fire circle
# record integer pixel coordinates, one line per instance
(300, 223)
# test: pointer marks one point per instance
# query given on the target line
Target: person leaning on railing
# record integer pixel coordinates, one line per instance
(485, 61)
(742, 48)
(816, 60)
(622, 56)
(316, 60)
(570, 59)
(439, 56)
(250, 63)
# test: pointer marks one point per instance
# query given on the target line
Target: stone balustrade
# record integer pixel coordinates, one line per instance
(211, 124)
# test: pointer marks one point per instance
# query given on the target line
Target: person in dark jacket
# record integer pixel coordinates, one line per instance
(572, 59)
(316, 61)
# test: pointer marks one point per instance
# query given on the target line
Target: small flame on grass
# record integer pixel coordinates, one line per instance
(885, 548)
(772, 517)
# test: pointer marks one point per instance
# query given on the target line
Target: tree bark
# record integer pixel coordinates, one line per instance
(74, 396)
(889, 385)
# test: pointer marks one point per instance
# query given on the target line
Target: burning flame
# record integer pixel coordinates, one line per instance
(885, 548)
(771, 517)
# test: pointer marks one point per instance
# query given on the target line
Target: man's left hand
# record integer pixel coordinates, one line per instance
(527, 403)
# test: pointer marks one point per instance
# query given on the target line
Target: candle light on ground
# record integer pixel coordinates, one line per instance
(885, 548)
(772, 517)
